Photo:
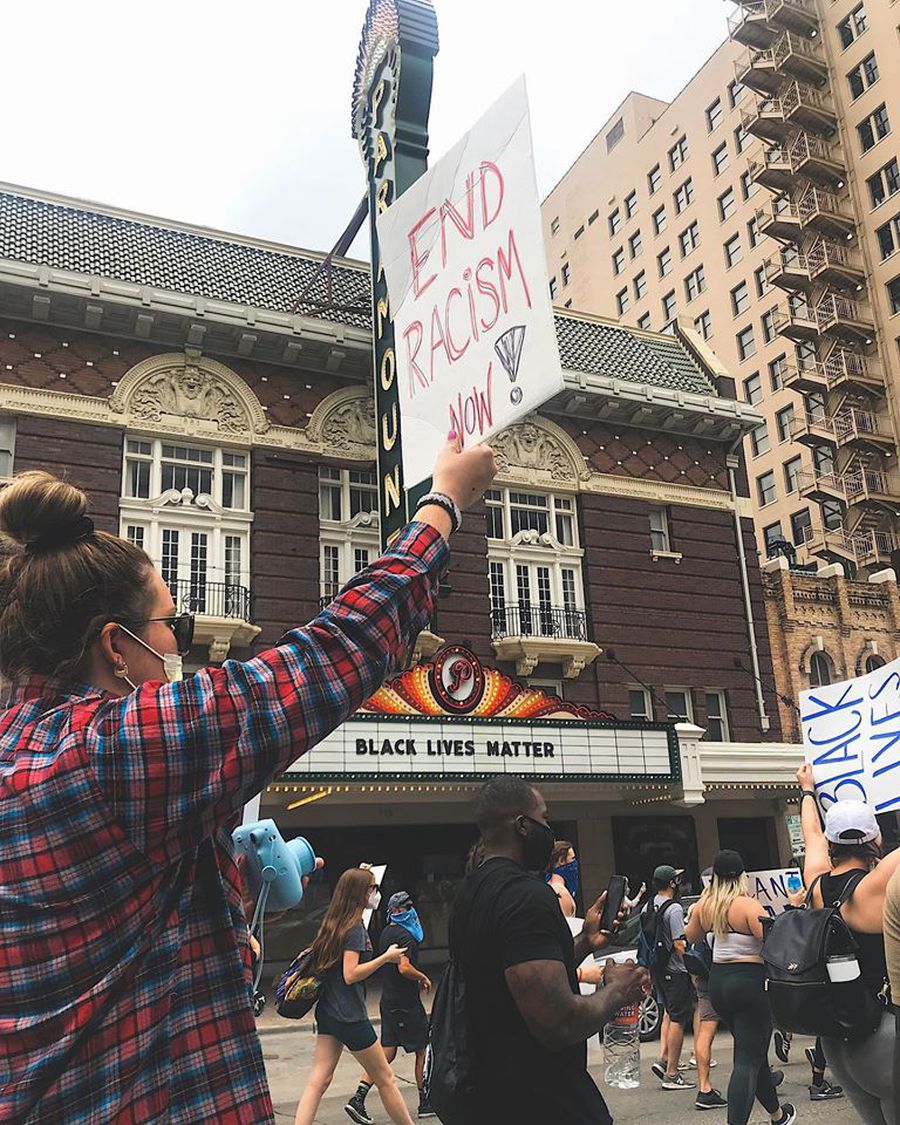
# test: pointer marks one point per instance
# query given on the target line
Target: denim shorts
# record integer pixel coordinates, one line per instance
(358, 1036)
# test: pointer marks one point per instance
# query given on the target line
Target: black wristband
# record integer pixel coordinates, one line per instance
(806, 793)
(443, 501)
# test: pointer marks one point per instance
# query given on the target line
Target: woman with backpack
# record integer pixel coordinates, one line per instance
(342, 954)
(737, 986)
(843, 865)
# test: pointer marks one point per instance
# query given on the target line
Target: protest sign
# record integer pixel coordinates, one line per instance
(463, 253)
(851, 735)
(769, 887)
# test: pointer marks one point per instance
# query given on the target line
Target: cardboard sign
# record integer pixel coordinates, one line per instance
(463, 253)
(851, 735)
(770, 887)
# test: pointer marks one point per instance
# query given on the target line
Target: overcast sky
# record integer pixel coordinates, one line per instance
(236, 115)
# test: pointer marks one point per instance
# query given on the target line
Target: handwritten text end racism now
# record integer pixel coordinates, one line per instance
(464, 258)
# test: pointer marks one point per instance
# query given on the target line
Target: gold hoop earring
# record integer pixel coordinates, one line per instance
(121, 670)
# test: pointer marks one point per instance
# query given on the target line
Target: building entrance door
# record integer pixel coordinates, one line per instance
(642, 843)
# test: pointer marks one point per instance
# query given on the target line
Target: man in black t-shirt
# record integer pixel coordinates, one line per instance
(403, 1019)
(527, 1022)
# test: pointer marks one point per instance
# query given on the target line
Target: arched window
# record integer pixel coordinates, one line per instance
(874, 662)
(821, 671)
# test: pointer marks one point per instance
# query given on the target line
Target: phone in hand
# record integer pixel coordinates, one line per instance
(615, 894)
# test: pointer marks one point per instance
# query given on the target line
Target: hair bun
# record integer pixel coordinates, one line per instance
(43, 513)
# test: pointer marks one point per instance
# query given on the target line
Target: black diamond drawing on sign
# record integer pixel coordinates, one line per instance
(509, 349)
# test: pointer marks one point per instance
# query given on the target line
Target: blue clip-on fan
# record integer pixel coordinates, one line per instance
(273, 873)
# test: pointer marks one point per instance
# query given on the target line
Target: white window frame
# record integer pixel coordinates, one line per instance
(686, 692)
(722, 717)
(660, 531)
(7, 447)
(646, 715)
(348, 534)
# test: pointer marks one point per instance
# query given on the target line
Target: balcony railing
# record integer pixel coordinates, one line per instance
(845, 319)
(799, 57)
(843, 366)
(212, 599)
(528, 620)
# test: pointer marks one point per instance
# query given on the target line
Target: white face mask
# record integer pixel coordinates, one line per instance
(374, 900)
(173, 665)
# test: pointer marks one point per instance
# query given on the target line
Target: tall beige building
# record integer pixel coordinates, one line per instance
(762, 208)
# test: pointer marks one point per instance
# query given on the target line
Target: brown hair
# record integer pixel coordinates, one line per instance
(60, 580)
(344, 912)
(560, 850)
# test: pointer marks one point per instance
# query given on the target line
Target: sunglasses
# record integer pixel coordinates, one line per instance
(182, 626)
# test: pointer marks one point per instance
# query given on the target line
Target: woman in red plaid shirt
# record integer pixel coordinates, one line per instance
(124, 959)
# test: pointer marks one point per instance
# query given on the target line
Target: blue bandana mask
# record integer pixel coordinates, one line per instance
(569, 875)
(409, 920)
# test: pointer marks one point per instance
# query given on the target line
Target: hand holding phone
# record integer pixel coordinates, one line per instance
(615, 894)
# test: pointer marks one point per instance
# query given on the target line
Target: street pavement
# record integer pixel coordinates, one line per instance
(288, 1050)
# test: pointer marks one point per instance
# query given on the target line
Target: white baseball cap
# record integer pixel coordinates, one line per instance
(851, 822)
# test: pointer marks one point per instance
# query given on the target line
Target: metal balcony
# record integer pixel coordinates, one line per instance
(805, 376)
(868, 487)
(766, 120)
(771, 168)
(212, 599)
(813, 429)
(873, 547)
(799, 58)
(780, 219)
(852, 373)
(862, 430)
(757, 70)
(817, 160)
(836, 266)
(822, 487)
(796, 106)
(798, 324)
(748, 25)
(793, 15)
(844, 320)
(825, 214)
(788, 270)
(539, 621)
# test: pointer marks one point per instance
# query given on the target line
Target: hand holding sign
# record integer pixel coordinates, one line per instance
(464, 475)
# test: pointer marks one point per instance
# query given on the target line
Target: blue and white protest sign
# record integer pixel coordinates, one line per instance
(851, 735)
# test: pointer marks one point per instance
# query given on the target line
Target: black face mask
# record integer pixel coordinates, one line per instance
(538, 845)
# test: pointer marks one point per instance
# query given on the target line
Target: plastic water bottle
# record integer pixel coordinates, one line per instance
(622, 1049)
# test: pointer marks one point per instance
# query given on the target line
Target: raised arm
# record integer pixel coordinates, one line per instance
(816, 860)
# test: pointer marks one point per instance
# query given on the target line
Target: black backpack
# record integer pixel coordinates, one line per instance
(796, 948)
(653, 950)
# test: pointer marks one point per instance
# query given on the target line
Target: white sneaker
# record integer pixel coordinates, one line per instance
(693, 1063)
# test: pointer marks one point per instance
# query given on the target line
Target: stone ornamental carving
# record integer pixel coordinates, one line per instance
(350, 425)
(537, 449)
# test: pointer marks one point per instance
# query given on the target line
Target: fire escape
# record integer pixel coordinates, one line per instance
(819, 265)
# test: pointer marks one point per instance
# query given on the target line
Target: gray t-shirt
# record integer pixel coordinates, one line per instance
(344, 1002)
(673, 930)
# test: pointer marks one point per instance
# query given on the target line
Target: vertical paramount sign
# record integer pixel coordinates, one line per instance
(391, 103)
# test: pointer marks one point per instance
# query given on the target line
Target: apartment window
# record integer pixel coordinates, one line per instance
(753, 235)
(635, 244)
(863, 76)
(776, 371)
(765, 488)
(678, 153)
(566, 274)
(746, 342)
(740, 298)
(554, 226)
(645, 322)
(669, 306)
(7, 446)
(762, 282)
(631, 202)
(893, 292)
(593, 217)
(654, 179)
(784, 421)
(727, 204)
(815, 407)
(689, 239)
(792, 475)
(801, 527)
(885, 182)
(714, 115)
(615, 222)
(695, 283)
(888, 235)
(618, 261)
(616, 133)
(767, 322)
(640, 708)
(821, 670)
(832, 516)
(736, 91)
(733, 250)
(741, 139)
(640, 285)
(720, 159)
(679, 705)
(554, 288)
(579, 232)
(759, 439)
(622, 301)
(684, 196)
(874, 128)
(753, 391)
(716, 717)
(703, 325)
(664, 262)
(511, 512)
(772, 534)
(853, 26)
(659, 220)
(823, 460)
(749, 187)
(660, 539)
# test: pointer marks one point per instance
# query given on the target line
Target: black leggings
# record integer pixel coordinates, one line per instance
(739, 996)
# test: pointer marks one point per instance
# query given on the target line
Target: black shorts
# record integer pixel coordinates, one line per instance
(358, 1036)
(404, 1027)
(677, 997)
